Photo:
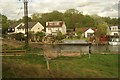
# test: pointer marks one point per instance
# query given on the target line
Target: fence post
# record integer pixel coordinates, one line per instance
(89, 49)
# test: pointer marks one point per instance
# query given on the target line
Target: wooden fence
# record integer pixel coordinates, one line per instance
(12, 52)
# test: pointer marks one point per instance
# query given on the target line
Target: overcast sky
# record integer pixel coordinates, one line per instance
(13, 9)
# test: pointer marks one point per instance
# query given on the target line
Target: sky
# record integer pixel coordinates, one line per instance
(13, 9)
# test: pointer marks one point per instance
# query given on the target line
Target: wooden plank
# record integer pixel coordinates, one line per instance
(13, 52)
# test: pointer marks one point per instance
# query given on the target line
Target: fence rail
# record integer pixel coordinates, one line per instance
(12, 52)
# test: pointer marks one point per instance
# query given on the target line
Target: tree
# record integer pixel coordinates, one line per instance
(111, 21)
(23, 19)
(79, 34)
(72, 18)
(39, 36)
(72, 11)
(88, 21)
(5, 24)
(100, 24)
(101, 29)
(53, 16)
(36, 16)
(60, 36)
(31, 35)
(98, 20)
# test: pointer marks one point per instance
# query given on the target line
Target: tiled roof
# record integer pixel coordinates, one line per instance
(30, 25)
(13, 25)
(85, 29)
(54, 24)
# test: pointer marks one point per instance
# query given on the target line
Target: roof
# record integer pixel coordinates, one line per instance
(85, 29)
(30, 25)
(13, 25)
(54, 24)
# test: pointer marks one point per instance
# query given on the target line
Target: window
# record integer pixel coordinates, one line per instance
(12, 29)
(89, 34)
(115, 34)
(50, 24)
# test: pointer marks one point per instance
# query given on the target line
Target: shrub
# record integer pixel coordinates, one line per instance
(40, 35)
(19, 36)
(60, 36)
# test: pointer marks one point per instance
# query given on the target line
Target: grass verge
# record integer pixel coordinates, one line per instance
(34, 66)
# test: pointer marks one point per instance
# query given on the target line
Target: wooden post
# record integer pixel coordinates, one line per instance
(46, 58)
(47, 61)
(89, 50)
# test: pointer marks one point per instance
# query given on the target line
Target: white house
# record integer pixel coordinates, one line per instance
(20, 28)
(52, 27)
(89, 32)
(113, 30)
(114, 33)
(13, 28)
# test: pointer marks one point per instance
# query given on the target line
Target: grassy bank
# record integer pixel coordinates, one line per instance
(34, 66)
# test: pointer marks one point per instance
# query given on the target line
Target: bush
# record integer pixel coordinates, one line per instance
(40, 35)
(60, 36)
(19, 36)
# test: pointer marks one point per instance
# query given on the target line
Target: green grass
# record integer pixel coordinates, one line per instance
(32, 65)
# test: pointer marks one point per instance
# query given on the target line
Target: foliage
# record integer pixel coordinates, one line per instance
(101, 29)
(5, 24)
(39, 35)
(60, 36)
(100, 24)
(79, 34)
(19, 36)
(31, 35)
(111, 21)
(72, 18)
(23, 19)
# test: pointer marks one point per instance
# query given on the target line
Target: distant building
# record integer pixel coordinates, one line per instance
(87, 32)
(52, 27)
(113, 31)
(20, 28)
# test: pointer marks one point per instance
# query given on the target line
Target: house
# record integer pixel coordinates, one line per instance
(52, 27)
(20, 28)
(113, 33)
(87, 32)
(13, 28)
